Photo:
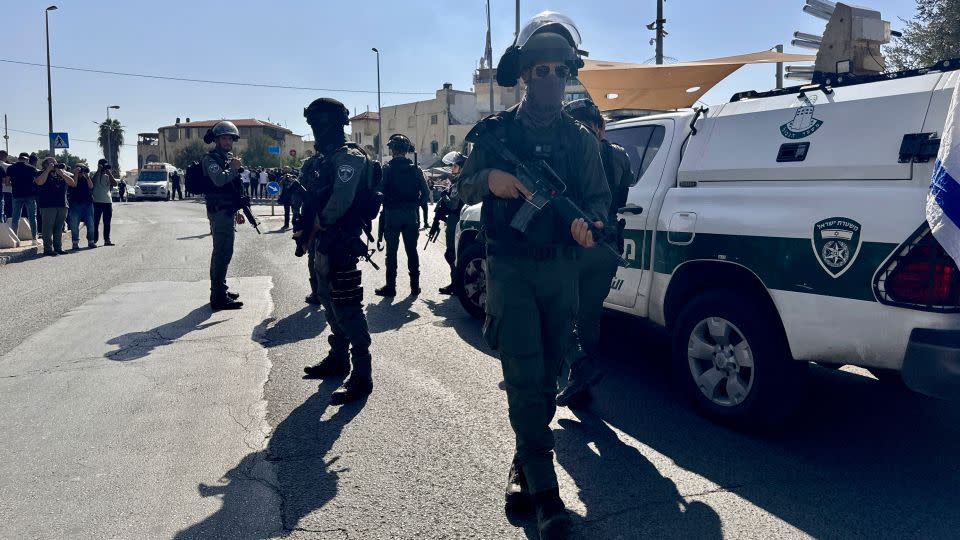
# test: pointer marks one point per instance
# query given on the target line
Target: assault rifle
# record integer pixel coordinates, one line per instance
(545, 186)
(434, 231)
(244, 204)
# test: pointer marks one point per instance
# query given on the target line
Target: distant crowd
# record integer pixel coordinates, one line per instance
(48, 196)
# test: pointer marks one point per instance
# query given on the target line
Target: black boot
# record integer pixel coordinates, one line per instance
(225, 303)
(336, 364)
(313, 300)
(414, 285)
(355, 388)
(581, 379)
(386, 290)
(233, 295)
(516, 497)
(448, 289)
(553, 521)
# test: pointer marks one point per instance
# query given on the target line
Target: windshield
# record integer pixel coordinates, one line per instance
(152, 176)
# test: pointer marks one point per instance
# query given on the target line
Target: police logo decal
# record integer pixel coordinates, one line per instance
(803, 123)
(345, 173)
(836, 244)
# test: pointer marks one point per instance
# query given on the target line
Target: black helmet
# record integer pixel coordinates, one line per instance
(548, 37)
(400, 143)
(223, 127)
(584, 111)
(326, 111)
(454, 158)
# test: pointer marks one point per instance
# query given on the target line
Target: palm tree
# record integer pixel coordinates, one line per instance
(110, 140)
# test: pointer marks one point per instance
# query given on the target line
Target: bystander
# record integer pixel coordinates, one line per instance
(103, 181)
(80, 197)
(21, 176)
(6, 201)
(264, 179)
(52, 184)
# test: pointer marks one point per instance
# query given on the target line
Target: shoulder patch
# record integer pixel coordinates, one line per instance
(345, 173)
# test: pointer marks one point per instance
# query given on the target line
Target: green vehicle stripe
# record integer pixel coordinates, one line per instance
(785, 264)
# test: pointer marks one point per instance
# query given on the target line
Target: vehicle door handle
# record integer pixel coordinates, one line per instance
(631, 209)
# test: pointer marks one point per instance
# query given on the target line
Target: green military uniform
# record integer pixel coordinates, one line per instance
(221, 209)
(452, 204)
(598, 266)
(331, 183)
(401, 218)
(531, 290)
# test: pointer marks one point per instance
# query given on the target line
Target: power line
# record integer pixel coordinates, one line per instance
(205, 81)
(71, 138)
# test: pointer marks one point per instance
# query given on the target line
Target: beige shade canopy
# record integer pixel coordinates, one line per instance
(619, 85)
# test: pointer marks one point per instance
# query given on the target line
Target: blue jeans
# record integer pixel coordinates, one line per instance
(19, 204)
(81, 212)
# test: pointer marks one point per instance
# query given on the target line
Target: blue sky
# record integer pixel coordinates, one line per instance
(326, 44)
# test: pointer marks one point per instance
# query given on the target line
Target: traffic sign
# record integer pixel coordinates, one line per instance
(273, 149)
(293, 153)
(273, 188)
(60, 140)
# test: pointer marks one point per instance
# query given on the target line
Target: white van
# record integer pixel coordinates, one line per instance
(153, 182)
(784, 228)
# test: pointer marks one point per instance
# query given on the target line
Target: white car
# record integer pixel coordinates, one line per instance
(780, 229)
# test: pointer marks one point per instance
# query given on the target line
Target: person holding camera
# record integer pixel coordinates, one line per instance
(80, 197)
(223, 170)
(21, 176)
(52, 184)
(103, 182)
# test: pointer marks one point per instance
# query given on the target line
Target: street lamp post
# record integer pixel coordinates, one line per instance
(379, 115)
(107, 154)
(46, 17)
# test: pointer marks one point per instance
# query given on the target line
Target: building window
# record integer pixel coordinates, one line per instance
(356, 138)
(433, 120)
(412, 122)
(172, 135)
(434, 146)
(453, 141)
(187, 133)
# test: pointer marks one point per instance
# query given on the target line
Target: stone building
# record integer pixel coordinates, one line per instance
(164, 145)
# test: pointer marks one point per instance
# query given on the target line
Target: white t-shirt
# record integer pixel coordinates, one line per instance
(264, 177)
(245, 176)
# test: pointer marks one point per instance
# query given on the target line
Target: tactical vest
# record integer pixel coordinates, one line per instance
(226, 189)
(402, 186)
(557, 147)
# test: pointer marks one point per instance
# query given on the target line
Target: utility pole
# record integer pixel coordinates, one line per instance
(6, 135)
(379, 114)
(46, 17)
(516, 36)
(779, 69)
(660, 33)
(108, 153)
(490, 57)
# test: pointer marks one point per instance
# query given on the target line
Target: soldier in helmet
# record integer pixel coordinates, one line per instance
(223, 170)
(531, 276)
(597, 266)
(333, 180)
(448, 210)
(404, 191)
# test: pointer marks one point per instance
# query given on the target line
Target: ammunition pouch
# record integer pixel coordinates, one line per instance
(345, 288)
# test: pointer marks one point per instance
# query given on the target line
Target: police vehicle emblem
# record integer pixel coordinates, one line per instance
(345, 173)
(836, 244)
(803, 123)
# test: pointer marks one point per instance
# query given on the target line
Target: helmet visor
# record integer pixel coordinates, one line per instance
(548, 18)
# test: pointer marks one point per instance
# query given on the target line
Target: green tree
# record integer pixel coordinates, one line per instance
(933, 35)
(110, 139)
(66, 157)
(257, 155)
(188, 154)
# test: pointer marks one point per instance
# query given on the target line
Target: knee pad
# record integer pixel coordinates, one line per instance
(346, 289)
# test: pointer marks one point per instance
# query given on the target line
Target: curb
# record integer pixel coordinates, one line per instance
(29, 253)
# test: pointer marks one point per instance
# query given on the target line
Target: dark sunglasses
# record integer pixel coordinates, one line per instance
(562, 71)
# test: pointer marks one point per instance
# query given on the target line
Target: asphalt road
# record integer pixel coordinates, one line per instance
(129, 410)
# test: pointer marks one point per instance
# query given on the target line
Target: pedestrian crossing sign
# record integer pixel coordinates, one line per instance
(59, 141)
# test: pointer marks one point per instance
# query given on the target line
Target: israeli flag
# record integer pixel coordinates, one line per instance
(943, 201)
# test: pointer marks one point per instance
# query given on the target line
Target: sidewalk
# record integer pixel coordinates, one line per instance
(25, 251)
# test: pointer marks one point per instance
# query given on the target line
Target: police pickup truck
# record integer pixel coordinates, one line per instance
(784, 228)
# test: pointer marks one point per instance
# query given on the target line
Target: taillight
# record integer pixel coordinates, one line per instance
(921, 276)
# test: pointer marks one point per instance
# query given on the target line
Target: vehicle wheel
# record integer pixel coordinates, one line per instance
(471, 280)
(732, 358)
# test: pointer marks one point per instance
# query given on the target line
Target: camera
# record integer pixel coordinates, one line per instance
(84, 170)
(61, 166)
(107, 167)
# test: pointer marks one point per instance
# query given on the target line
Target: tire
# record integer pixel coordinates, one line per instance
(750, 383)
(471, 280)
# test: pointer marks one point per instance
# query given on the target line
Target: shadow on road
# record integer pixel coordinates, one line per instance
(386, 315)
(613, 479)
(195, 237)
(468, 328)
(306, 324)
(136, 345)
(295, 466)
(860, 459)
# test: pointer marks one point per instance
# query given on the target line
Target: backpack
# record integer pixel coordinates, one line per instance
(196, 181)
(403, 185)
